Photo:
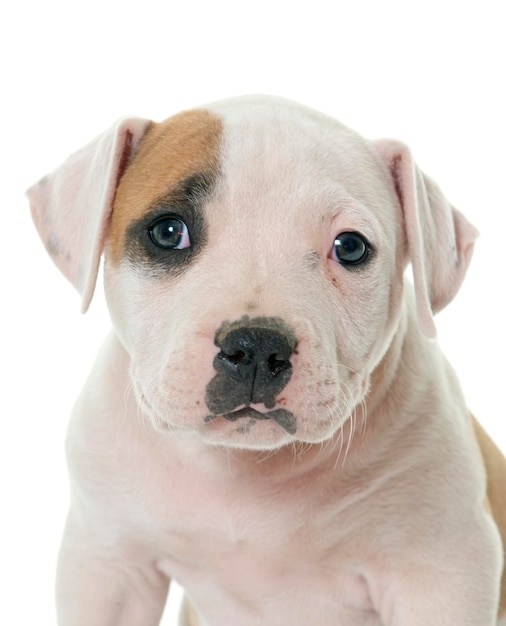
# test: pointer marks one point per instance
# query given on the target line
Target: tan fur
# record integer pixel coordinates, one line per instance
(495, 465)
(183, 145)
(188, 616)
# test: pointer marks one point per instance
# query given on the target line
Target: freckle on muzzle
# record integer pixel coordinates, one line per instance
(252, 367)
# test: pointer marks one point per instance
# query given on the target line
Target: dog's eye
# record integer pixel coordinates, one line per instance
(170, 233)
(350, 249)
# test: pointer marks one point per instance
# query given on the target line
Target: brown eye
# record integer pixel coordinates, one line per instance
(350, 249)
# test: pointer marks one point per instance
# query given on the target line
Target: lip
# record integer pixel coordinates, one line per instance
(284, 418)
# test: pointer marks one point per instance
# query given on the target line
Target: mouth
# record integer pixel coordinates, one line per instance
(284, 418)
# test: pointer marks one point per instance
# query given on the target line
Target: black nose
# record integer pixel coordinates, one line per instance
(253, 364)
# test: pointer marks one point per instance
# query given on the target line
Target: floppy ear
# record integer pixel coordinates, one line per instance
(72, 205)
(439, 238)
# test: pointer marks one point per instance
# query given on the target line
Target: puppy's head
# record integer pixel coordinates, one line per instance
(254, 260)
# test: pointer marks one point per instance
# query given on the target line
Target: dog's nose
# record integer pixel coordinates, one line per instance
(253, 364)
(255, 355)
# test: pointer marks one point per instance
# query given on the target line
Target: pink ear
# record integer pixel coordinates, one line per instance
(71, 206)
(440, 240)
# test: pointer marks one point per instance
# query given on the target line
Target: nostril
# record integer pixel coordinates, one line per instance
(237, 358)
(277, 365)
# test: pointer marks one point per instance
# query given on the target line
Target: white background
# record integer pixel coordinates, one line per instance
(431, 73)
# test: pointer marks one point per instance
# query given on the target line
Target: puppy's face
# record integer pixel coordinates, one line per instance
(254, 273)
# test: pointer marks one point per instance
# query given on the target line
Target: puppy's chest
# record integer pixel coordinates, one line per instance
(243, 539)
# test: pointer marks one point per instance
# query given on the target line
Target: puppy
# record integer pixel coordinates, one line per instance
(270, 423)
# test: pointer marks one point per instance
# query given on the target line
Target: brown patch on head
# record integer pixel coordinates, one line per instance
(170, 152)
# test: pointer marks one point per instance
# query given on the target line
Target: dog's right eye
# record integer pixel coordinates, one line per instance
(170, 233)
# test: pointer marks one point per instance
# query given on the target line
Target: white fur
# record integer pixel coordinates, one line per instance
(372, 513)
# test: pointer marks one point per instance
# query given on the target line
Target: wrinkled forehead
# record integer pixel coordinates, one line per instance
(257, 149)
(269, 144)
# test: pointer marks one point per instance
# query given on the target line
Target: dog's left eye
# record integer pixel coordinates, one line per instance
(170, 233)
(350, 249)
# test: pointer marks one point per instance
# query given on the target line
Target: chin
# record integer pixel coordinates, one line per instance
(246, 434)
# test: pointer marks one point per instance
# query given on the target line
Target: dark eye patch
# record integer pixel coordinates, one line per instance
(184, 203)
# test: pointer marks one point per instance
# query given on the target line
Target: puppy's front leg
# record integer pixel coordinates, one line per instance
(442, 601)
(100, 585)
(458, 585)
